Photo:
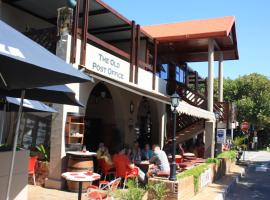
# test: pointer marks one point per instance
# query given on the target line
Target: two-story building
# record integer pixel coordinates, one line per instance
(134, 71)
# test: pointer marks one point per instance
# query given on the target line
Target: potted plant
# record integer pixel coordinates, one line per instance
(239, 146)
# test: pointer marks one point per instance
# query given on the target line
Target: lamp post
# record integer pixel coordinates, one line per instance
(174, 103)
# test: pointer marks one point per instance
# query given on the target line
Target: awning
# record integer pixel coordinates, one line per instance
(188, 109)
(184, 107)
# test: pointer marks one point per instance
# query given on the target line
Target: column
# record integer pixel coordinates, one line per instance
(220, 78)
(210, 125)
(57, 145)
(210, 80)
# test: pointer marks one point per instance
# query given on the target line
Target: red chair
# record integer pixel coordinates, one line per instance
(105, 168)
(31, 167)
(133, 173)
(95, 193)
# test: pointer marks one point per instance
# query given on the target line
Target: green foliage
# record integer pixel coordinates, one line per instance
(195, 172)
(239, 142)
(251, 93)
(43, 151)
(227, 154)
(133, 192)
(213, 160)
(159, 190)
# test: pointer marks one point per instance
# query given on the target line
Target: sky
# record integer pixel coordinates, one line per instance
(252, 26)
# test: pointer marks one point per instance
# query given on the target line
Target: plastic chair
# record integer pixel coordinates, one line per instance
(96, 193)
(133, 173)
(31, 167)
(106, 169)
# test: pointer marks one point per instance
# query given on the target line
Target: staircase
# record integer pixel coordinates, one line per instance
(189, 126)
(196, 99)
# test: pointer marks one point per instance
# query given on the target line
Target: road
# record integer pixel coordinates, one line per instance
(256, 183)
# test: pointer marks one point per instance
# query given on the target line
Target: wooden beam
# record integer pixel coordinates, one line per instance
(138, 41)
(196, 82)
(112, 30)
(74, 33)
(132, 51)
(155, 64)
(108, 28)
(108, 47)
(84, 31)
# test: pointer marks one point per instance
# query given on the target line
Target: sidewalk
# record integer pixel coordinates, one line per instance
(219, 189)
(40, 193)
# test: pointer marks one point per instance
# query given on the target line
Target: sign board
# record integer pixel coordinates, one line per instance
(255, 139)
(221, 136)
(106, 64)
(205, 178)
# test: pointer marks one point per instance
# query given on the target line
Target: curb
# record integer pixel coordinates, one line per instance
(222, 195)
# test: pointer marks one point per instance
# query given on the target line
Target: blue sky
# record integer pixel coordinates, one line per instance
(252, 26)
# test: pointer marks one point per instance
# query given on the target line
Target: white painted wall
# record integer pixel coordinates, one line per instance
(21, 20)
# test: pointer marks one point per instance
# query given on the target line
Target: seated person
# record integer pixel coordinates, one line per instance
(147, 153)
(123, 165)
(160, 161)
(103, 153)
(136, 152)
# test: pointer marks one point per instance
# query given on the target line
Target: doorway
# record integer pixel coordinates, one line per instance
(100, 123)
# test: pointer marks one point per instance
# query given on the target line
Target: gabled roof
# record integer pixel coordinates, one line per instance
(196, 29)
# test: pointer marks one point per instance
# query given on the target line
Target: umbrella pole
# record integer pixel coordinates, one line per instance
(15, 144)
(3, 123)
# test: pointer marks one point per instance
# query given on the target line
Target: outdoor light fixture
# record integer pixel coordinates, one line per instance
(175, 99)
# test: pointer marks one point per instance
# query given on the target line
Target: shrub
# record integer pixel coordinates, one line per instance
(195, 172)
(158, 190)
(213, 160)
(133, 192)
(227, 154)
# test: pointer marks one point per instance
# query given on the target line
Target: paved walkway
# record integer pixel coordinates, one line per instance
(40, 193)
(218, 190)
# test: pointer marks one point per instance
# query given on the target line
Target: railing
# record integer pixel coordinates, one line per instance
(45, 37)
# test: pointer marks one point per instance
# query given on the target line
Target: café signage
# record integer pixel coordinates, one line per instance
(107, 64)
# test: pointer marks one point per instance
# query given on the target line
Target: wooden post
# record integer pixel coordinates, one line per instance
(138, 40)
(154, 65)
(84, 31)
(132, 51)
(74, 33)
(196, 82)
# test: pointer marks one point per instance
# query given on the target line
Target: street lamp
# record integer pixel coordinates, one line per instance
(174, 103)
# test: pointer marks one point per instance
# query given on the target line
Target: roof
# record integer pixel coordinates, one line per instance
(215, 27)
(188, 41)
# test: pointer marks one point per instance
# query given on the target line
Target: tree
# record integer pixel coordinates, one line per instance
(251, 93)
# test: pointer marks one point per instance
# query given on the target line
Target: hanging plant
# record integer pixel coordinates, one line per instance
(64, 21)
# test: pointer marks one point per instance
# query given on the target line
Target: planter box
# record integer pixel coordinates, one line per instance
(182, 189)
(19, 190)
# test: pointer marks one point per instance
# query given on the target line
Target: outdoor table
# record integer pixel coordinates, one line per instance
(81, 177)
(81, 153)
(143, 165)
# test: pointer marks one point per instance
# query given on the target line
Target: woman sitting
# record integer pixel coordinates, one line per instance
(147, 153)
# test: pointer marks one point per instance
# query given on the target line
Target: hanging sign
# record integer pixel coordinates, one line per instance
(221, 136)
(107, 64)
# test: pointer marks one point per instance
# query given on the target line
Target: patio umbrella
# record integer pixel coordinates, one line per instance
(61, 94)
(11, 104)
(25, 64)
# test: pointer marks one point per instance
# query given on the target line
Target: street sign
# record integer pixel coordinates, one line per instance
(221, 136)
